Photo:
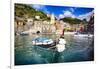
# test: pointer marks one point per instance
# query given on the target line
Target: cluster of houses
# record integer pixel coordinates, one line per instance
(34, 25)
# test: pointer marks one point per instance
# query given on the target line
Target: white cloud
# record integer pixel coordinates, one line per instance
(38, 7)
(61, 16)
(41, 7)
(72, 9)
(86, 16)
(66, 14)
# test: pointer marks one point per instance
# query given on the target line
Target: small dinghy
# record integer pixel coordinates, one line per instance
(44, 42)
(50, 44)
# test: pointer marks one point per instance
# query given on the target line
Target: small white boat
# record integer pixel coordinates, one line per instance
(83, 35)
(42, 41)
(50, 44)
(24, 33)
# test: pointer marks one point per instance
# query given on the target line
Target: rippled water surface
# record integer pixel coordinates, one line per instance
(77, 49)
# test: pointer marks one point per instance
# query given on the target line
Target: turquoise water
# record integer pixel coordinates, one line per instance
(77, 49)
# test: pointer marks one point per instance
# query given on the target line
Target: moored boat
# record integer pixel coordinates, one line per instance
(50, 44)
(83, 35)
(41, 41)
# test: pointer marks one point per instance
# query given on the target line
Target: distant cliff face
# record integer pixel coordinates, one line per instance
(90, 26)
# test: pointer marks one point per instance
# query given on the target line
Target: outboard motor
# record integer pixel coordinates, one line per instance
(61, 44)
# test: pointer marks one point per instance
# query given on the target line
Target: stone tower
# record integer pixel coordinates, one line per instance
(52, 19)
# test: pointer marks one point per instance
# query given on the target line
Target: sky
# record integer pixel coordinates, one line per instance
(66, 11)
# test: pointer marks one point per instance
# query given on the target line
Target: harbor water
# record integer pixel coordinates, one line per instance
(77, 49)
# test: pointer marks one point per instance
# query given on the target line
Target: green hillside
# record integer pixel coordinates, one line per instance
(72, 20)
(24, 10)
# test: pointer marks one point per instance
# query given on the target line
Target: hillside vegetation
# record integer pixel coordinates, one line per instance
(25, 11)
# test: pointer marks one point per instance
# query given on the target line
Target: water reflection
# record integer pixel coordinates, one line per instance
(77, 49)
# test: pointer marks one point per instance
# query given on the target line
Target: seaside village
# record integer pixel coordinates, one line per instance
(53, 26)
(35, 26)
